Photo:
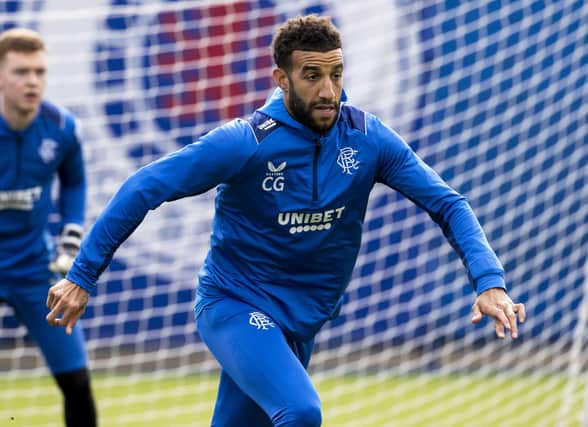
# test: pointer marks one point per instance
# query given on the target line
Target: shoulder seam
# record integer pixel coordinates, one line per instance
(262, 125)
(53, 113)
(355, 118)
(252, 131)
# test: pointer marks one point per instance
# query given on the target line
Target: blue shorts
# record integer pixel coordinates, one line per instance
(263, 375)
(62, 352)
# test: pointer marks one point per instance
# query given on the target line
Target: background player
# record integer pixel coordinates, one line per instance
(38, 141)
(293, 186)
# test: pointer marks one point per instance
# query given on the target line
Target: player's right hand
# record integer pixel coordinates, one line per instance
(67, 302)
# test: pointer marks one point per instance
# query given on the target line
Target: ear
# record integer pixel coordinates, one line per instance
(281, 79)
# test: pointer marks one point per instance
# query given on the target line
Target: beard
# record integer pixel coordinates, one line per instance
(302, 112)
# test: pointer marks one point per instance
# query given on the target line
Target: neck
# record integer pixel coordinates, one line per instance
(16, 120)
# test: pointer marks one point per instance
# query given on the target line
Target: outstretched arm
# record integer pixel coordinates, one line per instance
(214, 158)
(401, 169)
(497, 304)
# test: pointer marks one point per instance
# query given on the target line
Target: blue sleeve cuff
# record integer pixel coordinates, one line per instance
(489, 281)
(78, 275)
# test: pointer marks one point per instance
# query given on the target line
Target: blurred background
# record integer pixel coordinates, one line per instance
(492, 94)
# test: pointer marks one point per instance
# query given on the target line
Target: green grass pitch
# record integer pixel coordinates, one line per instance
(407, 401)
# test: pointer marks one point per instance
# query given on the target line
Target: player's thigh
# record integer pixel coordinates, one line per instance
(62, 352)
(253, 351)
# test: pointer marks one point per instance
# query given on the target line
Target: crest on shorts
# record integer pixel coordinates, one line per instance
(260, 321)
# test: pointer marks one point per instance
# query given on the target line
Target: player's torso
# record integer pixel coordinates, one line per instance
(301, 201)
(288, 227)
(28, 163)
(305, 186)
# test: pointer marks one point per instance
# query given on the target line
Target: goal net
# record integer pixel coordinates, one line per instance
(492, 94)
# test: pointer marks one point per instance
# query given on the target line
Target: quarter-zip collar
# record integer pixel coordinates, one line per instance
(276, 109)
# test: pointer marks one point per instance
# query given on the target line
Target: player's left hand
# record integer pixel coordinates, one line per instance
(69, 300)
(496, 303)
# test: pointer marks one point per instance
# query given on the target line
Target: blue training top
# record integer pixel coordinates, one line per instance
(289, 211)
(30, 160)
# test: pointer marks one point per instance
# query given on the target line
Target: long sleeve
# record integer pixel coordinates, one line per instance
(193, 170)
(401, 169)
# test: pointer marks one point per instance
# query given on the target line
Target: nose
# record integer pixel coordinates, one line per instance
(327, 89)
(33, 79)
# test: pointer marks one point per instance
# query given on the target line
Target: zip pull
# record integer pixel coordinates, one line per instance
(315, 160)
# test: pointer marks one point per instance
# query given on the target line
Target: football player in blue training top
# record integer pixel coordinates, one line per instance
(293, 182)
(38, 141)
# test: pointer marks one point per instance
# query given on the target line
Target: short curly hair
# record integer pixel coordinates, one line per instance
(309, 33)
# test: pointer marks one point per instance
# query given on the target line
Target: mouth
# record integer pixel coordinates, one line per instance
(31, 96)
(325, 110)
